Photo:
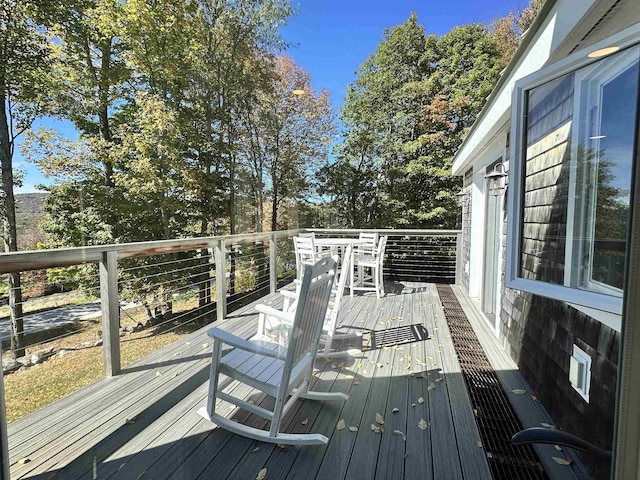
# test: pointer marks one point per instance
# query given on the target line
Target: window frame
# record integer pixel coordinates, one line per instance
(605, 308)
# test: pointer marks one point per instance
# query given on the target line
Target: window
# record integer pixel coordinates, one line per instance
(571, 176)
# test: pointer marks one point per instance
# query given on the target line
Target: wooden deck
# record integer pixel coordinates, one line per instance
(143, 423)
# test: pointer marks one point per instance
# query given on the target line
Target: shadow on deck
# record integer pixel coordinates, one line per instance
(143, 423)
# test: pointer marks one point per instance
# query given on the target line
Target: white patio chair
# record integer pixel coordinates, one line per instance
(282, 372)
(305, 252)
(368, 243)
(370, 270)
(269, 322)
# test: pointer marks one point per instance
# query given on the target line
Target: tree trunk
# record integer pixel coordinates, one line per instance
(274, 210)
(10, 234)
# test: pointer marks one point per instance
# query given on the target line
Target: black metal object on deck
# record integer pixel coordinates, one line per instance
(496, 419)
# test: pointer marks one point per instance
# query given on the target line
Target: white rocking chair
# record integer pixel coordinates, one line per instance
(329, 334)
(272, 368)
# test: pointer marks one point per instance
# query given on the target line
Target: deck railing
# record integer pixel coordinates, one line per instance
(215, 274)
(222, 272)
(414, 255)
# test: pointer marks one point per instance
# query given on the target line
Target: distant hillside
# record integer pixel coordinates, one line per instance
(29, 212)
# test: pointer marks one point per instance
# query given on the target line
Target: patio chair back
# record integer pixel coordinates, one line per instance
(305, 251)
(311, 310)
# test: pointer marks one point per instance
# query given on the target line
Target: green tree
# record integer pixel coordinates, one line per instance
(289, 129)
(24, 59)
(406, 114)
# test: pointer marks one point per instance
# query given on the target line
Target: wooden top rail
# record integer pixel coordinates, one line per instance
(386, 231)
(63, 257)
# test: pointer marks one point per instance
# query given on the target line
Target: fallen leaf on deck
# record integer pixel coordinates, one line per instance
(353, 428)
(24, 460)
(261, 474)
(421, 400)
(305, 421)
(284, 448)
(431, 386)
(518, 391)
(158, 374)
(255, 449)
(359, 364)
(398, 432)
(187, 343)
(408, 367)
(119, 468)
(341, 424)
(131, 420)
(422, 425)
(548, 425)
(356, 383)
(562, 461)
(395, 410)
(413, 404)
(478, 443)
(140, 475)
(558, 447)
(439, 379)
(375, 428)
(379, 419)
(205, 345)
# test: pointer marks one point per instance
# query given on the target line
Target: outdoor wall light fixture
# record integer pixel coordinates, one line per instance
(497, 180)
(603, 52)
(463, 197)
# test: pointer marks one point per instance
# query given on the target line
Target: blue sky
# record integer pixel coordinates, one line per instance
(331, 38)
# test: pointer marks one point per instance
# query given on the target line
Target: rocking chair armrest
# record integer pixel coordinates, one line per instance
(237, 342)
(289, 294)
(286, 317)
(557, 437)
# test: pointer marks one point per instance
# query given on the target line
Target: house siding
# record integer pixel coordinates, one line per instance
(539, 334)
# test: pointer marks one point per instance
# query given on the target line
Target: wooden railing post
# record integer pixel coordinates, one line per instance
(221, 280)
(459, 259)
(273, 271)
(110, 313)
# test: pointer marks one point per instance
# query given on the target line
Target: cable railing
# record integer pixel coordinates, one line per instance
(180, 285)
(167, 286)
(414, 255)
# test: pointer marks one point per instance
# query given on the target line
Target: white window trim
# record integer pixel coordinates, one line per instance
(594, 302)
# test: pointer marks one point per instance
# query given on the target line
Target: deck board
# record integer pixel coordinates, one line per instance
(168, 440)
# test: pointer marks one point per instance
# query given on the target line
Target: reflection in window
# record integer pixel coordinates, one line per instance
(579, 153)
(611, 140)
